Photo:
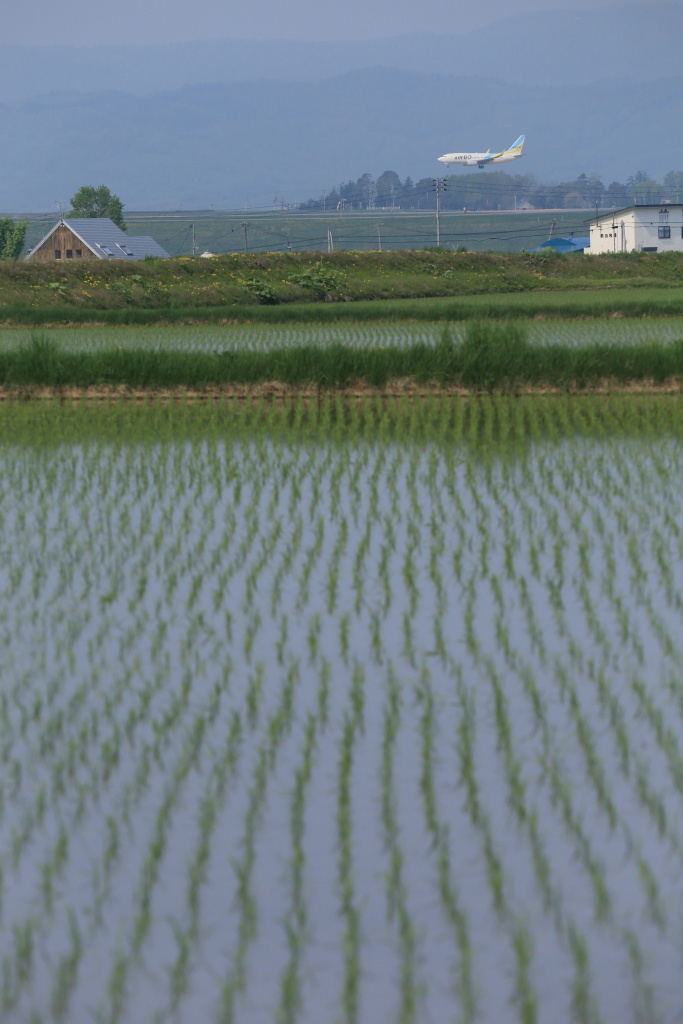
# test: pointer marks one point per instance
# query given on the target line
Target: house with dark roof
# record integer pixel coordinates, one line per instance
(92, 238)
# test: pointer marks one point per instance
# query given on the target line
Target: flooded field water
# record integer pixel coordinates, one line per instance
(342, 717)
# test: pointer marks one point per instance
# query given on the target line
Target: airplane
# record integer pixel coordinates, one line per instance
(484, 159)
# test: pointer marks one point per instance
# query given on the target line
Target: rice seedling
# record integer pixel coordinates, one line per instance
(525, 995)
(66, 974)
(584, 1007)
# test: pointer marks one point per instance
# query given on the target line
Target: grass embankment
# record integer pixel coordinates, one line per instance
(491, 357)
(345, 285)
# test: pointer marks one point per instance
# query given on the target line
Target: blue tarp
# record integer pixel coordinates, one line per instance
(564, 244)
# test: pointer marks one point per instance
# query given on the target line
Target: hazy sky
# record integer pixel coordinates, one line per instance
(92, 22)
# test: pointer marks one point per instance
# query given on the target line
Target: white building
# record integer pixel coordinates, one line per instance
(639, 229)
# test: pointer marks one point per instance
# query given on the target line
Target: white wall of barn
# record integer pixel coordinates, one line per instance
(655, 228)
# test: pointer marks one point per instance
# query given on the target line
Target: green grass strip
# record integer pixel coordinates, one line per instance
(652, 301)
(493, 356)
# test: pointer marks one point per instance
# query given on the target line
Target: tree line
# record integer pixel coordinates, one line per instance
(496, 190)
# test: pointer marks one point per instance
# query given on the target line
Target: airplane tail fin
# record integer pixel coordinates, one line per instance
(517, 146)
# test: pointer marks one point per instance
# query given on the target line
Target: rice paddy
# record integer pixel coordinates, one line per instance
(488, 354)
(342, 713)
(265, 338)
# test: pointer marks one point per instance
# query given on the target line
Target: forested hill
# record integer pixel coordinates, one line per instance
(248, 142)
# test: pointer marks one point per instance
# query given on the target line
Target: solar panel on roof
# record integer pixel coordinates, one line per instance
(103, 236)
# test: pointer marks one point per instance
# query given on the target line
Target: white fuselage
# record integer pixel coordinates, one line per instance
(478, 159)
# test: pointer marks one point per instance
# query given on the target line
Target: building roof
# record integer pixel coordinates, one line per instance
(144, 245)
(107, 241)
(637, 206)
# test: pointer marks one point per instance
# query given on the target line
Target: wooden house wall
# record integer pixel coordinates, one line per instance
(64, 240)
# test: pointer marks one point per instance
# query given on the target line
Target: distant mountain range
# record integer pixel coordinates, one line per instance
(227, 123)
(637, 41)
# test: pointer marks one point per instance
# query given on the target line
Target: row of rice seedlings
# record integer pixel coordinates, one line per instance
(263, 337)
(349, 908)
(478, 815)
(223, 771)
(451, 904)
(275, 730)
(398, 911)
(296, 924)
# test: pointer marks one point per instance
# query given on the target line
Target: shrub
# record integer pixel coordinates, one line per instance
(261, 291)
(321, 281)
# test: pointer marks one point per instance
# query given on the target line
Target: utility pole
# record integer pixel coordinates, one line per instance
(330, 240)
(194, 238)
(379, 236)
(246, 238)
(438, 187)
